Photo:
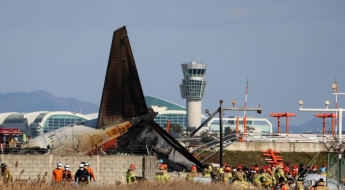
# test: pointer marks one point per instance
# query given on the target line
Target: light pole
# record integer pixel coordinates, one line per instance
(340, 111)
(220, 111)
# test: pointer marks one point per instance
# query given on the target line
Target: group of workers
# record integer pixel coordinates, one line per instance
(275, 176)
(83, 176)
(161, 176)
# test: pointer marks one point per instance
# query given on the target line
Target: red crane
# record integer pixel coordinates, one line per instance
(287, 115)
(324, 116)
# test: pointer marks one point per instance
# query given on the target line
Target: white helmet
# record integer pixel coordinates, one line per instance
(59, 164)
(66, 166)
(81, 165)
(87, 164)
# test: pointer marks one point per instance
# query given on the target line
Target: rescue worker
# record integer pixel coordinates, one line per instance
(130, 176)
(271, 177)
(302, 171)
(221, 171)
(314, 170)
(81, 176)
(6, 174)
(266, 180)
(162, 175)
(193, 173)
(252, 172)
(281, 185)
(321, 185)
(299, 184)
(279, 172)
(294, 171)
(258, 178)
(289, 178)
(57, 173)
(246, 173)
(323, 170)
(274, 168)
(233, 171)
(239, 175)
(208, 170)
(67, 176)
(90, 170)
(226, 175)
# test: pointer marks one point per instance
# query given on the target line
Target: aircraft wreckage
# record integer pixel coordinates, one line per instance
(124, 119)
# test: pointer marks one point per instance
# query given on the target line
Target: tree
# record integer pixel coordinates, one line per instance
(207, 136)
(229, 131)
(175, 130)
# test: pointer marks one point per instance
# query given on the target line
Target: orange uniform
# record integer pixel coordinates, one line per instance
(57, 175)
(92, 175)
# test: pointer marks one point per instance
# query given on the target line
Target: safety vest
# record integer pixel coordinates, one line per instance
(162, 176)
(130, 177)
(191, 175)
(257, 178)
(226, 177)
(221, 172)
(207, 173)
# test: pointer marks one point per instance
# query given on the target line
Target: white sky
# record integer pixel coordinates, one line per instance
(289, 50)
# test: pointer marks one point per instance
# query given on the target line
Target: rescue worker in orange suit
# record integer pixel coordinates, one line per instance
(193, 173)
(162, 175)
(67, 176)
(6, 174)
(57, 173)
(226, 175)
(130, 176)
(299, 184)
(92, 174)
(239, 175)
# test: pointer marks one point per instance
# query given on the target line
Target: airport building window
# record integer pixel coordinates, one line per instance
(57, 121)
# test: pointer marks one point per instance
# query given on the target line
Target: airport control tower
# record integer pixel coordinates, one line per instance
(193, 89)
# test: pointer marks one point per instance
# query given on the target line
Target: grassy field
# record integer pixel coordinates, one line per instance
(250, 158)
(141, 186)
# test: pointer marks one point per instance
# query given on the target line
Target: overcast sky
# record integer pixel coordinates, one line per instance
(289, 50)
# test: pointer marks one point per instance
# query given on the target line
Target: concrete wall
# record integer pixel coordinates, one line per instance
(108, 169)
(282, 146)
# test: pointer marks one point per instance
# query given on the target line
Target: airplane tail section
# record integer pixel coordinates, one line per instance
(122, 97)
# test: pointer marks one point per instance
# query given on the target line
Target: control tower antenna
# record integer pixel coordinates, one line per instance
(245, 101)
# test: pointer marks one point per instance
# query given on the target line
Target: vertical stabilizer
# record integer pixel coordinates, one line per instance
(122, 97)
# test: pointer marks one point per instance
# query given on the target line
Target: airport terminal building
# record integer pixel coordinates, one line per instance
(167, 111)
(35, 123)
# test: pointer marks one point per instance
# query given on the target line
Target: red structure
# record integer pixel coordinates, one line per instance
(287, 115)
(324, 116)
(272, 154)
(167, 129)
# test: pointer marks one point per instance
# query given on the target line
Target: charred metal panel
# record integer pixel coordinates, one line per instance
(122, 96)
